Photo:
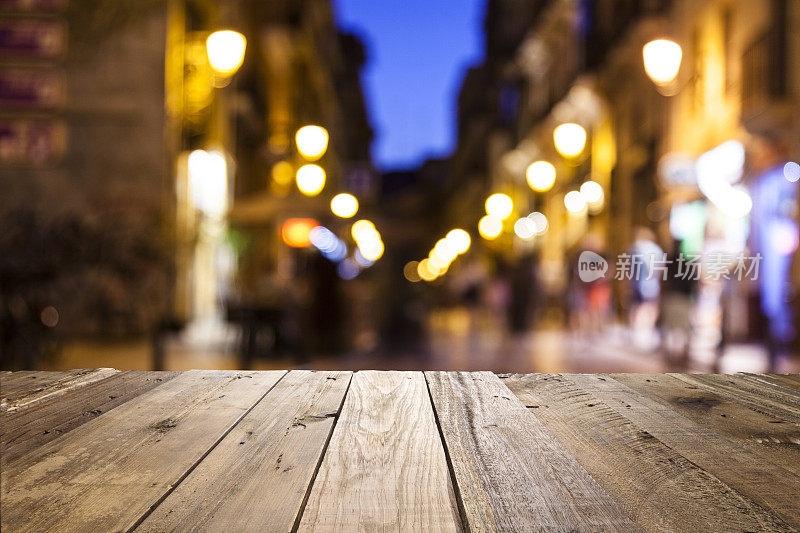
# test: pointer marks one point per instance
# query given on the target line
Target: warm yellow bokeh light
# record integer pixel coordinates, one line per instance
(282, 173)
(592, 192)
(363, 229)
(371, 249)
(459, 240)
(208, 181)
(499, 205)
(574, 202)
(662, 60)
(541, 176)
(490, 227)
(444, 251)
(525, 228)
(310, 179)
(569, 139)
(344, 205)
(311, 141)
(226, 51)
(411, 272)
(425, 271)
(438, 263)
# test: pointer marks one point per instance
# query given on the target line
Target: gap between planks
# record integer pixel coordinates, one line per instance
(259, 475)
(660, 488)
(142, 450)
(512, 474)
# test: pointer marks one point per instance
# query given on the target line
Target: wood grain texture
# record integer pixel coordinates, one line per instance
(31, 388)
(511, 473)
(758, 396)
(659, 488)
(22, 381)
(385, 468)
(107, 475)
(257, 478)
(27, 429)
(773, 439)
(766, 485)
(787, 381)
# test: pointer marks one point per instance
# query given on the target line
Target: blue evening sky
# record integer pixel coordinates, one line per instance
(417, 55)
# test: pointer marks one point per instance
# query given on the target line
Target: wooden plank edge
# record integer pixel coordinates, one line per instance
(310, 486)
(60, 387)
(191, 468)
(462, 510)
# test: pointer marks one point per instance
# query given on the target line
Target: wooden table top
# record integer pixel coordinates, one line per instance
(100, 450)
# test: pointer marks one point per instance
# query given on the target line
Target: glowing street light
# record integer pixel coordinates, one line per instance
(443, 251)
(411, 271)
(490, 227)
(312, 141)
(592, 192)
(363, 229)
(459, 240)
(425, 271)
(372, 250)
(662, 60)
(344, 205)
(310, 179)
(539, 222)
(525, 228)
(208, 181)
(569, 139)
(574, 202)
(296, 232)
(541, 176)
(499, 205)
(226, 51)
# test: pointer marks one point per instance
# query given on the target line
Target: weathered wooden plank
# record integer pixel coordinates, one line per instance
(761, 397)
(774, 439)
(790, 383)
(37, 387)
(385, 468)
(27, 380)
(26, 429)
(659, 488)
(107, 475)
(511, 473)
(257, 478)
(765, 484)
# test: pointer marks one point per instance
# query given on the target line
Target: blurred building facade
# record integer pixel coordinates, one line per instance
(84, 172)
(574, 61)
(142, 189)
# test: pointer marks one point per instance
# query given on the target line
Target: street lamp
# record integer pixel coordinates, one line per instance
(344, 205)
(225, 50)
(459, 240)
(569, 139)
(208, 182)
(312, 141)
(541, 176)
(574, 202)
(490, 227)
(499, 205)
(662, 60)
(310, 179)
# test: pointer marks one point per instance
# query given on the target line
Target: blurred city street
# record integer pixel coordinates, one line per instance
(504, 185)
(453, 343)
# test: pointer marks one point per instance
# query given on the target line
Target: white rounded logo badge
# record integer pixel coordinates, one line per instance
(591, 266)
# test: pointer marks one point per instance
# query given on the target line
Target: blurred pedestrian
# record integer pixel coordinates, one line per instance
(677, 304)
(645, 288)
